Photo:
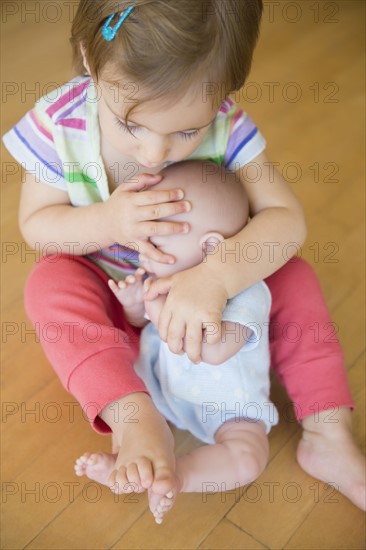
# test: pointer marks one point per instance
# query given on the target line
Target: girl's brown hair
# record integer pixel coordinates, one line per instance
(166, 47)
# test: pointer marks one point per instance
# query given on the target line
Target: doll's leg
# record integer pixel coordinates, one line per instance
(238, 456)
(92, 349)
(308, 359)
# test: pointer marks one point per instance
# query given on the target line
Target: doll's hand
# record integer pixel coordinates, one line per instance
(130, 294)
(130, 291)
(192, 311)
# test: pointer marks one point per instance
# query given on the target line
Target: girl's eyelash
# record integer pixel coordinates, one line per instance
(120, 124)
(133, 129)
(191, 135)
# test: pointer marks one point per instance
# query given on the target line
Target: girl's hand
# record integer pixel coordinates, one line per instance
(153, 307)
(131, 212)
(192, 311)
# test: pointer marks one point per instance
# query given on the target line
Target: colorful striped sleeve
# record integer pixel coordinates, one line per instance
(245, 140)
(32, 144)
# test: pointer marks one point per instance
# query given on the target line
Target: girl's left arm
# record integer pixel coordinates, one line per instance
(198, 295)
(275, 233)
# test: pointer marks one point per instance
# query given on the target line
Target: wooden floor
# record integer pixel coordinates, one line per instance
(306, 94)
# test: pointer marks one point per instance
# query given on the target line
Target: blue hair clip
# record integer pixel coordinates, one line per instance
(109, 32)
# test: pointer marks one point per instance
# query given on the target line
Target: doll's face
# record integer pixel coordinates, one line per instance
(186, 249)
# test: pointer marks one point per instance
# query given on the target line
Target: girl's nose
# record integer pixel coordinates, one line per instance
(154, 160)
(155, 152)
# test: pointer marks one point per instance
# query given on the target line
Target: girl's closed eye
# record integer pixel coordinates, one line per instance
(135, 129)
(189, 135)
(126, 128)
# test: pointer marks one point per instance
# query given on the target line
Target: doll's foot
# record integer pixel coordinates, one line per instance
(160, 503)
(96, 466)
(328, 452)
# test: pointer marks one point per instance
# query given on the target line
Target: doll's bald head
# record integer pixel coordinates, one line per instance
(219, 210)
(219, 201)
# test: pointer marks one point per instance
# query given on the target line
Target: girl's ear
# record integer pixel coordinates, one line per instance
(83, 55)
(209, 242)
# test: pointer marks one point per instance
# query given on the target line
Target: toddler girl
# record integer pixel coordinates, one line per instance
(159, 75)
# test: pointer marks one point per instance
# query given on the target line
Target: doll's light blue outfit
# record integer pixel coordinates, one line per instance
(200, 398)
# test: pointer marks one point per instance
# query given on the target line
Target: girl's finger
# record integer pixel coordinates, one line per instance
(147, 284)
(152, 228)
(152, 253)
(163, 210)
(176, 333)
(163, 324)
(140, 182)
(193, 340)
(157, 288)
(151, 197)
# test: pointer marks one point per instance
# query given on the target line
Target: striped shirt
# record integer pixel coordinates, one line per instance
(58, 141)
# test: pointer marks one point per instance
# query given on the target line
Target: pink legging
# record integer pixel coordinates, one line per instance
(92, 347)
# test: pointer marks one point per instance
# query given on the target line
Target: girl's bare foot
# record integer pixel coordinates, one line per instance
(146, 457)
(99, 467)
(160, 505)
(327, 451)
